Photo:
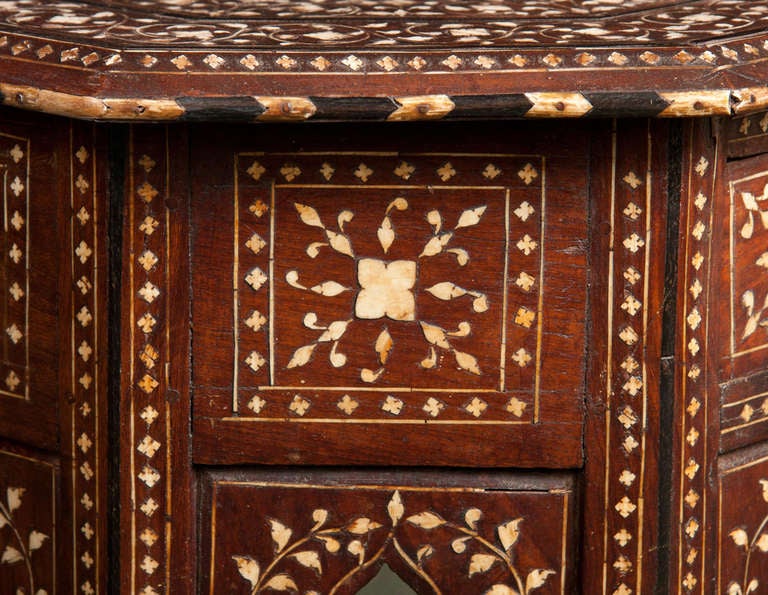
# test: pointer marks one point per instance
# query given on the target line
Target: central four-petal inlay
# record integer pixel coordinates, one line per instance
(385, 289)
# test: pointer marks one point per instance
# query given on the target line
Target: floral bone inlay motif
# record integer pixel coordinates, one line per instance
(363, 540)
(755, 206)
(391, 286)
(15, 240)
(18, 549)
(749, 269)
(86, 511)
(758, 542)
(387, 287)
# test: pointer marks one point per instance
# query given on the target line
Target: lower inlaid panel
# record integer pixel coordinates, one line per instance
(328, 533)
(33, 188)
(742, 554)
(28, 495)
(743, 341)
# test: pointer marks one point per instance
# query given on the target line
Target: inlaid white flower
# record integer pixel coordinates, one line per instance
(385, 289)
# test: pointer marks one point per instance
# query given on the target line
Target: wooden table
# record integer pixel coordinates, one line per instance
(300, 295)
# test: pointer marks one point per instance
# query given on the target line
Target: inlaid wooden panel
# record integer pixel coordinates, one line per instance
(29, 493)
(329, 24)
(344, 9)
(30, 244)
(742, 543)
(747, 135)
(512, 58)
(53, 278)
(332, 533)
(744, 281)
(15, 274)
(414, 292)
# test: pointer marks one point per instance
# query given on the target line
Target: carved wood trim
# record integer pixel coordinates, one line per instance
(239, 108)
(673, 58)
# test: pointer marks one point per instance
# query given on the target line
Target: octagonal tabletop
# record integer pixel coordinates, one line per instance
(383, 59)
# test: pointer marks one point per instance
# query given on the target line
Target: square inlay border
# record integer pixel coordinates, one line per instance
(266, 184)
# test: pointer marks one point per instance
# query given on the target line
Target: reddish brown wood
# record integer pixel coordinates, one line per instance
(411, 298)
(693, 430)
(507, 387)
(54, 363)
(84, 374)
(677, 58)
(31, 178)
(741, 338)
(747, 135)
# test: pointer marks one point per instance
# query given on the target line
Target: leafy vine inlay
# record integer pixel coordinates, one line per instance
(756, 207)
(23, 549)
(758, 542)
(353, 537)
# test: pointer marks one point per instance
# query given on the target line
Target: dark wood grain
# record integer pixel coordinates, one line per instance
(742, 338)
(628, 246)
(54, 362)
(85, 405)
(32, 179)
(747, 135)
(697, 310)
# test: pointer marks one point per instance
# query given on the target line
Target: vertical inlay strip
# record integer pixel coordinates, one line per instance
(692, 465)
(149, 270)
(630, 350)
(540, 305)
(235, 285)
(85, 328)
